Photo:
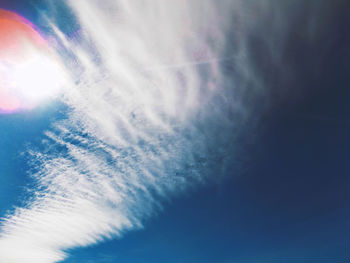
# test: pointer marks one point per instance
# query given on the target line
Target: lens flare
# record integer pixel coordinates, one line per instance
(29, 72)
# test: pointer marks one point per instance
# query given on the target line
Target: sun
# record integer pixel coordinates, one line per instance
(30, 74)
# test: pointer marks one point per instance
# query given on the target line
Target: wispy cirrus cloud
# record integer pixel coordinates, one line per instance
(150, 112)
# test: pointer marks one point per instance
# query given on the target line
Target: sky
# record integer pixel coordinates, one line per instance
(177, 131)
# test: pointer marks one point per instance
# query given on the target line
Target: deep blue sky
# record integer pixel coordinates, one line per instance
(289, 202)
(288, 198)
(18, 133)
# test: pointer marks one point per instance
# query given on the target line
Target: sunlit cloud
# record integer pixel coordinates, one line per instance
(149, 113)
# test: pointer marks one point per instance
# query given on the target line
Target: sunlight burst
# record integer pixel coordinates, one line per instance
(29, 73)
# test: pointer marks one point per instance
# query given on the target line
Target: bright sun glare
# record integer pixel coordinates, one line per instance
(29, 72)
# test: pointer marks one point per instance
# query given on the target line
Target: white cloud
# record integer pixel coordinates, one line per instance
(147, 117)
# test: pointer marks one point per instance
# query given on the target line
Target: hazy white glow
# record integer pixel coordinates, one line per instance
(37, 79)
(33, 80)
(30, 71)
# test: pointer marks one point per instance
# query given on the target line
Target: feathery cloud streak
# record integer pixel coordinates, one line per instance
(150, 112)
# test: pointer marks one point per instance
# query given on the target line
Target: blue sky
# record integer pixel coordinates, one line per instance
(214, 133)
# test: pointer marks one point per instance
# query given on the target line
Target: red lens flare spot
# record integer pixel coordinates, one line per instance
(28, 71)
